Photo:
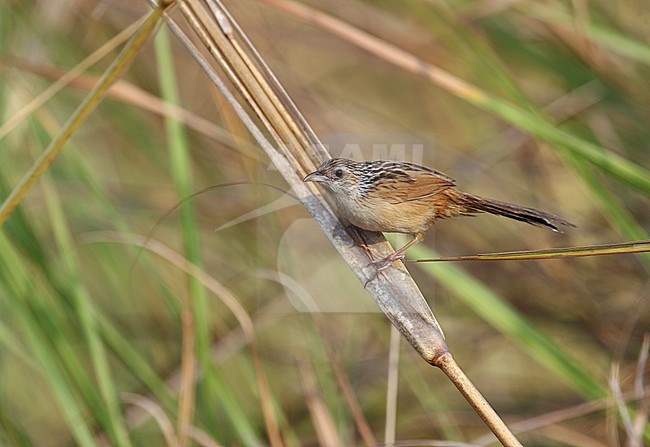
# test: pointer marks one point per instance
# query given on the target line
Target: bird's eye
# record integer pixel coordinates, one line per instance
(338, 173)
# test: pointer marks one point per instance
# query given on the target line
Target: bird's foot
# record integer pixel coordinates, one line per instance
(383, 264)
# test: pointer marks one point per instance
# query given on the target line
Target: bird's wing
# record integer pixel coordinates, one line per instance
(417, 185)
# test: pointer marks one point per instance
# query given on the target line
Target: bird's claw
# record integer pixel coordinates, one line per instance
(383, 264)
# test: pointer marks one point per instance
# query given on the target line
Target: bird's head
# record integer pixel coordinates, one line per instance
(339, 175)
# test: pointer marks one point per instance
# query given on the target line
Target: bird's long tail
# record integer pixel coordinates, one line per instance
(474, 204)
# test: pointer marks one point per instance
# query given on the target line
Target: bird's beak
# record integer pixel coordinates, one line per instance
(315, 176)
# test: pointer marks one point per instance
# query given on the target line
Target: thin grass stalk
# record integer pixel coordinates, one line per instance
(186, 401)
(621, 248)
(392, 387)
(611, 207)
(181, 172)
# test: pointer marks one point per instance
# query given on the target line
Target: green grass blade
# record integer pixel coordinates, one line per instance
(29, 321)
(181, 171)
(83, 306)
(609, 161)
(607, 38)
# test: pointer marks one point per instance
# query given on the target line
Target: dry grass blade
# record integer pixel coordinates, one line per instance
(320, 415)
(566, 436)
(202, 438)
(157, 413)
(552, 253)
(392, 388)
(634, 424)
(188, 378)
(640, 421)
(345, 386)
(428, 443)
(617, 394)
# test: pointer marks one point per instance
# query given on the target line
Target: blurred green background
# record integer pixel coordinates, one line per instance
(91, 333)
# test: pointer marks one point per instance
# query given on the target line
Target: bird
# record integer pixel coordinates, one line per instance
(402, 197)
